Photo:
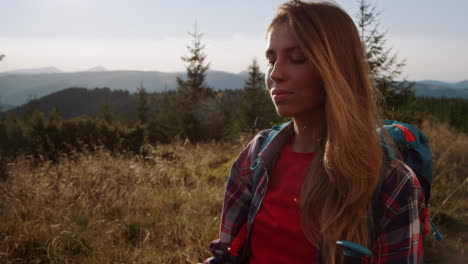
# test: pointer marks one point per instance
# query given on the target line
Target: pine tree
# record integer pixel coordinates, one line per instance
(1, 58)
(257, 111)
(163, 125)
(231, 122)
(53, 141)
(106, 113)
(384, 65)
(193, 91)
(143, 104)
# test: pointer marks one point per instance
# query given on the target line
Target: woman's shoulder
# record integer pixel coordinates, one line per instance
(251, 150)
(257, 141)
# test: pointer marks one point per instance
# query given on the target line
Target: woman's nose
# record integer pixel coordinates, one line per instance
(277, 73)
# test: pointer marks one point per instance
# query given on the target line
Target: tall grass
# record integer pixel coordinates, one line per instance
(449, 204)
(163, 205)
(98, 207)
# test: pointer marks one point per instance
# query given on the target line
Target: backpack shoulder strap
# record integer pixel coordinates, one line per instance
(256, 166)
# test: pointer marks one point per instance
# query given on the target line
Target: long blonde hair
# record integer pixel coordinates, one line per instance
(338, 189)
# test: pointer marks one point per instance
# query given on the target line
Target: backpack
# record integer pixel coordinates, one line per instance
(414, 150)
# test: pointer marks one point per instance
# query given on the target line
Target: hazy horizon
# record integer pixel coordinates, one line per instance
(143, 35)
(91, 69)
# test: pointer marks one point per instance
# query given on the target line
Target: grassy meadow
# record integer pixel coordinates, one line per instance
(163, 205)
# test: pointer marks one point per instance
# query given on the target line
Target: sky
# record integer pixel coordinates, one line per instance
(152, 35)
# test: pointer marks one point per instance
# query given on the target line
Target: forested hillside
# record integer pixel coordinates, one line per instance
(17, 89)
(74, 102)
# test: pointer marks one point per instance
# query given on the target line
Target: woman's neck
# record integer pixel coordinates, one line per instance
(308, 133)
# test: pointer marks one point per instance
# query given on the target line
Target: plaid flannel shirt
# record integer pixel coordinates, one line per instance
(401, 225)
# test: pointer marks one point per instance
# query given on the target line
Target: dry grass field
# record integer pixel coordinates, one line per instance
(164, 206)
(449, 199)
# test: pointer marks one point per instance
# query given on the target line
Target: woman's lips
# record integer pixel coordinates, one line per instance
(281, 95)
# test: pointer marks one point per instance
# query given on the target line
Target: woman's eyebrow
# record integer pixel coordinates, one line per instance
(290, 49)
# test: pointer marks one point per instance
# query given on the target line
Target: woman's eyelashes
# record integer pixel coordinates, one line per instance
(292, 59)
(297, 58)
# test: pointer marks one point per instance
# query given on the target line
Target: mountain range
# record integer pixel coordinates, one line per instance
(17, 87)
(438, 84)
(47, 70)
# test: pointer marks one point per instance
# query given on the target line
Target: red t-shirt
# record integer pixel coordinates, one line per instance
(276, 235)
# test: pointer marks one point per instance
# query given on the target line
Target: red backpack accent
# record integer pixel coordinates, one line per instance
(408, 135)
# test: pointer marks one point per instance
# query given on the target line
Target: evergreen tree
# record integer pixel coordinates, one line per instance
(384, 65)
(193, 92)
(106, 113)
(1, 58)
(257, 111)
(231, 122)
(163, 125)
(143, 105)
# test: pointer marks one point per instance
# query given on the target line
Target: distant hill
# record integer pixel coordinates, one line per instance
(440, 89)
(17, 89)
(97, 69)
(74, 102)
(5, 107)
(44, 70)
(439, 84)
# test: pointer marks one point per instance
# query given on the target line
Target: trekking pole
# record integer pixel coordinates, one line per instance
(436, 233)
(352, 252)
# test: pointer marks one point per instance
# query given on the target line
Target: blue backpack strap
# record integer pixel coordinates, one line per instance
(256, 166)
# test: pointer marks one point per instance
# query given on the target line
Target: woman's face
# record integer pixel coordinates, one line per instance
(293, 83)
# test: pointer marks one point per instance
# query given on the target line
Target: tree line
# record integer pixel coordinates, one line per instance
(216, 116)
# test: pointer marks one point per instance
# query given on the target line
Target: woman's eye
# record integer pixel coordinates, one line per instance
(298, 60)
(270, 63)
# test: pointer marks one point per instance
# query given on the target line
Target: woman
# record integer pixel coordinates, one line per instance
(323, 168)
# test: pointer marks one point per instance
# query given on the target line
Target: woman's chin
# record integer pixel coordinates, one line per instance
(284, 112)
